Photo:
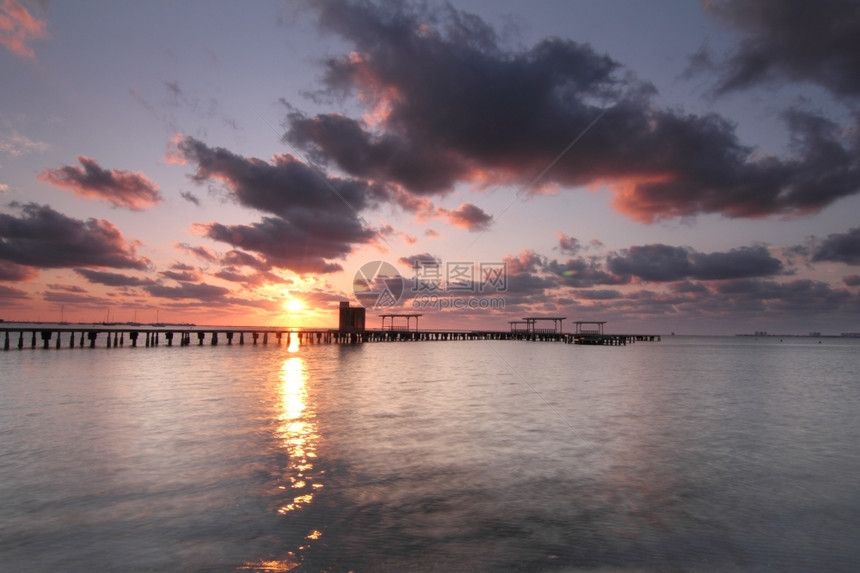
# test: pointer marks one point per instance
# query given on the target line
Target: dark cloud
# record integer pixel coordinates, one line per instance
(127, 189)
(181, 276)
(198, 291)
(248, 280)
(467, 216)
(413, 261)
(316, 217)
(792, 40)
(527, 283)
(689, 287)
(851, 280)
(79, 300)
(67, 288)
(288, 246)
(16, 273)
(656, 263)
(10, 293)
(386, 157)
(599, 294)
(664, 263)
(447, 103)
(242, 259)
(568, 245)
(232, 275)
(802, 297)
(44, 238)
(840, 247)
(200, 252)
(286, 187)
(722, 176)
(744, 262)
(471, 111)
(702, 290)
(582, 272)
(190, 197)
(111, 279)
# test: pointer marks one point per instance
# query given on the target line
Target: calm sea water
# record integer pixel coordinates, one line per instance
(691, 454)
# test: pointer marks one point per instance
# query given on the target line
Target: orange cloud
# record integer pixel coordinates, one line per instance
(18, 28)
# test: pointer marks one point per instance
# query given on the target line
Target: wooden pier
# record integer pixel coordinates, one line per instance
(110, 336)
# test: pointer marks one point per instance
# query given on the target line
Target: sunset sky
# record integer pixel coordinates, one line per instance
(662, 166)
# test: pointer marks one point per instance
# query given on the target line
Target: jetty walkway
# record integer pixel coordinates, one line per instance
(114, 336)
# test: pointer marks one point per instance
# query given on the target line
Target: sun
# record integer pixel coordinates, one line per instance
(294, 305)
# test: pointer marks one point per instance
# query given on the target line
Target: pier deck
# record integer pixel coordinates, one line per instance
(113, 336)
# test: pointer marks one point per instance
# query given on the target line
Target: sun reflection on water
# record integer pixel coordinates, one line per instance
(293, 345)
(297, 433)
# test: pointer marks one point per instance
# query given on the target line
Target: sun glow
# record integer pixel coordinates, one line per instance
(294, 305)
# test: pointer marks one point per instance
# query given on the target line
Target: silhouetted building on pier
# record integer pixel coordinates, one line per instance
(351, 318)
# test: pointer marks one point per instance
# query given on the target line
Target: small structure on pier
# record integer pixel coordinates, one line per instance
(531, 326)
(589, 327)
(408, 318)
(351, 318)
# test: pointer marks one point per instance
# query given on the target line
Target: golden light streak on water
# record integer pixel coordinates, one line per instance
(270, 566)
(297, 431)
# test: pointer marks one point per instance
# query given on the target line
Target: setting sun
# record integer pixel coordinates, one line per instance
(294, 305)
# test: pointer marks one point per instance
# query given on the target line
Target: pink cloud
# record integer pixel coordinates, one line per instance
(467, 216)
(18, 28)
(129, 189)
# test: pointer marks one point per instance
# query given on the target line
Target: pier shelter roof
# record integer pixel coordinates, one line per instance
(589, 326)
(407, 316)
(531, 324)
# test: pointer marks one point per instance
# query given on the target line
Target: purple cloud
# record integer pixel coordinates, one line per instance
(132, 190)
